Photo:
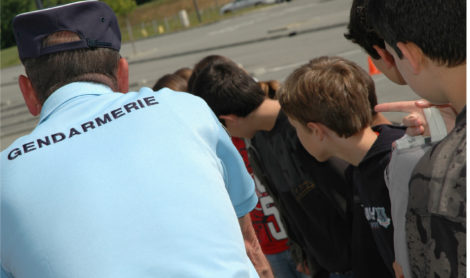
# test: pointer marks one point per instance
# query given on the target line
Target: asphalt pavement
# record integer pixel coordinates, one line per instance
(269, 42)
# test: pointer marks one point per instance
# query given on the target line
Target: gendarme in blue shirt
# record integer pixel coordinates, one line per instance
(124, 185)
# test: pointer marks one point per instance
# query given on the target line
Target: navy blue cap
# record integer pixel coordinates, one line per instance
(93, 21)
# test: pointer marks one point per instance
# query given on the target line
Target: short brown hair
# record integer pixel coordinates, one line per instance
(184, 72)
(50, 72)
(329, 90)
(172, 81)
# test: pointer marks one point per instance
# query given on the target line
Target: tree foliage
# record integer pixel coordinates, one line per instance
(9, 9)
(140, 2)
(52, 3)
(121, 7)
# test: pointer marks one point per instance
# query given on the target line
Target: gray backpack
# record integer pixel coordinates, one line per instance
(407, 151)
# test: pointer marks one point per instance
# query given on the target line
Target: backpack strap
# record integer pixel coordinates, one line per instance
(436, 124)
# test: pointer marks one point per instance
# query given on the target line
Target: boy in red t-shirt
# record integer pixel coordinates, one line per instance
(268, 226)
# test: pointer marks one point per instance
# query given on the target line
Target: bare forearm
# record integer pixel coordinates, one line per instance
(253, 249)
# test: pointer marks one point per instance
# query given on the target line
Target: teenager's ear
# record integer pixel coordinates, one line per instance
(123, 76)
(385, 56)
(317, 129)
(311, 126)
(229, 118)
(30, 95)
(413, 54)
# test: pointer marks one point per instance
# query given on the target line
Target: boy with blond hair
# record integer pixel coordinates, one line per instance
(327, 102)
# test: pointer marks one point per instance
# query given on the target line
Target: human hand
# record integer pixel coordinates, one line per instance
(398, 270)
(415, 121)
(303, 268)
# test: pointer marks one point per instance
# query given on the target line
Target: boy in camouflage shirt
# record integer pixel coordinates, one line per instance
(428, 42)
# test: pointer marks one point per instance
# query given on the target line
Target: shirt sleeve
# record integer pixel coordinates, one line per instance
(238, 181)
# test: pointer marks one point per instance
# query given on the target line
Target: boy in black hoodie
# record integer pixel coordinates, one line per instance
(327, 102)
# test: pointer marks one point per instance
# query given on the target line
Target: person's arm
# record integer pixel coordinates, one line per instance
(253, 249)
(241, 189)
(415, 121)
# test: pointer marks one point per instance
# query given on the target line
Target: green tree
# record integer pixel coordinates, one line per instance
(121, 7)
(9, 9)
(140, 2)
(52, 3)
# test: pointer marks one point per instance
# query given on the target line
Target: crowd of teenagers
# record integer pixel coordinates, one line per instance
(213, 173)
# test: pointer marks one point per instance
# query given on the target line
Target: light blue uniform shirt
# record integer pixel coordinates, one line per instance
(124, 185)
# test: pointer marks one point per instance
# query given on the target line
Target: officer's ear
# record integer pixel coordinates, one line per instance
(30, 95)
(123, 76)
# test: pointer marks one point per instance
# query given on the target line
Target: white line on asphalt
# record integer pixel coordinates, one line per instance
(284, 67)
(262, 70)
(350, 52)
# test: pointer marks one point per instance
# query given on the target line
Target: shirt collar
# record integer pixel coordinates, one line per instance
(387, 135)
(68, 92)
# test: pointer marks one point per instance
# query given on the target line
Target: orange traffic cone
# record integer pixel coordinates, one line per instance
(372, 69)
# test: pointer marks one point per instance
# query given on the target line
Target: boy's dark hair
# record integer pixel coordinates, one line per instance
(204, 62)
(50, 72)
(228, 89)
(329, 90)
(438, 27)
(172, 81)
(360, 32)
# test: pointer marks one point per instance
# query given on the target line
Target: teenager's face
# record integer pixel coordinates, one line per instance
(309, 140)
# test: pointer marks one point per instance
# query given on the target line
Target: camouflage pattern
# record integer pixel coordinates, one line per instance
(436, 215)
